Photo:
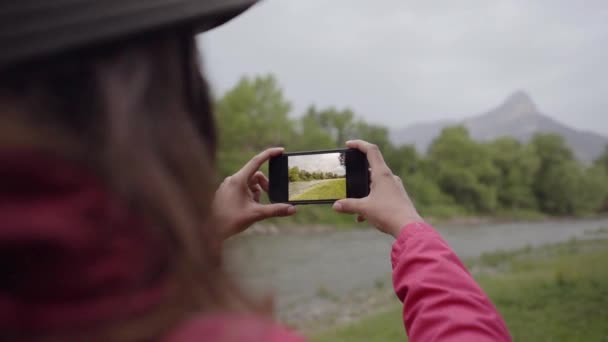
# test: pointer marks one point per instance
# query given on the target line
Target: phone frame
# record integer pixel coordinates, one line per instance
(278, 168)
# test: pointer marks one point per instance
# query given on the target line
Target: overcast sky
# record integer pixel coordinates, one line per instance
(397, 62)
(326, 162)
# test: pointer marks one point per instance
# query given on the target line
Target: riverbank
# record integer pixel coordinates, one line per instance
(324, 218)
(278, 227)
(548, 293)
(329, 278)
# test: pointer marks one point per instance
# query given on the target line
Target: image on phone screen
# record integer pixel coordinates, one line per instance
(317, 176)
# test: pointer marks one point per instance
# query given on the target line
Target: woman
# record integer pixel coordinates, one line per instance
(111, 228)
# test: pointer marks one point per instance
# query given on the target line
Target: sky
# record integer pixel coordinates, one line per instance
(326, 162)
(397, 62)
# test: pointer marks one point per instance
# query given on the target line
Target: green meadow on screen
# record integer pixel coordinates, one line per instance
(317, 177)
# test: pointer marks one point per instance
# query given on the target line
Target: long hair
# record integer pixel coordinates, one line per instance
(139, 113)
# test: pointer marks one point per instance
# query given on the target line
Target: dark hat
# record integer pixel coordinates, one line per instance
(36, 28)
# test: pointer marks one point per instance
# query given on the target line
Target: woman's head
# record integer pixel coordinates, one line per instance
(138, 113)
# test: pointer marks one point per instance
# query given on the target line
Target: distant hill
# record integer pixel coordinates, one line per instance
(517, 117)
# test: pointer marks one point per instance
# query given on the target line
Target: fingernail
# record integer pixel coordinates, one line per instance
(291, 210)
(337, 206)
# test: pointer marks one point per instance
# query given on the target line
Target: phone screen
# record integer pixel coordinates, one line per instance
(317, 176)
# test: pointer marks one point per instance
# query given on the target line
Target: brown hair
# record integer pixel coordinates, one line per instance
(139, 112)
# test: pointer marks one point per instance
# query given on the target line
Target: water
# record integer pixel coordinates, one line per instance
(296, 267)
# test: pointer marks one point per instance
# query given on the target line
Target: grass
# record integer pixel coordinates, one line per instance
(520, 215)
(443, 211)
(330, 189)
(551, 293)
(384, 326)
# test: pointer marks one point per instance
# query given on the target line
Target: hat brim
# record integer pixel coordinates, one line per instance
(31, 28)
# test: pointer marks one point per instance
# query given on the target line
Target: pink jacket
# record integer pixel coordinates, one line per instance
(442, 302)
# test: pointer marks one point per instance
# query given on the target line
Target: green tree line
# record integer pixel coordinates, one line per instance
(297, 175)
(456, 176)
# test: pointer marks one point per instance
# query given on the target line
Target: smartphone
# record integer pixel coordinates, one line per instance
(318, 176)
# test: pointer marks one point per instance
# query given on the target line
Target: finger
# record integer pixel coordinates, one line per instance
(257, 192)
(256, 162)
(349, 206)
(274, 210)
(374, 156)
(261, 179)
(360, 218)
(255, 187)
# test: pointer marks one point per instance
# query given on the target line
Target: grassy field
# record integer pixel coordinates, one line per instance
(552, 293)
(329, 189)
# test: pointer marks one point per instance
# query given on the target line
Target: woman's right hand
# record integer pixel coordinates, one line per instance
(388, 206)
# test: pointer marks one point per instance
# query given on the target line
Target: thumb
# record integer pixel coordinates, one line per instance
(349, 206)
(274, 210)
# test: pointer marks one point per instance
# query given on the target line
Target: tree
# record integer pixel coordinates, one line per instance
(425, 193)
(254, 114)
(337, 124)
(517, 165)
(559, 186)
(294, 174)
(310, 135)
(341, 121)
(592, 193)
(600, 170)
(555, 178)
(602, 160)
(369, 132)
(403, 160)
(463, 170)
(251, 116)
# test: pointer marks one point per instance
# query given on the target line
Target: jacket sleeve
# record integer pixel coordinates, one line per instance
(441, 300)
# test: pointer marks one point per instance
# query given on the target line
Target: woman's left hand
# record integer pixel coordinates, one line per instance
(237, 205)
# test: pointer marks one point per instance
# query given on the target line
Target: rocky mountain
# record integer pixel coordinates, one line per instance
(517, 117)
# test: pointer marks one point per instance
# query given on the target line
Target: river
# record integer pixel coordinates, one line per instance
(295, 268)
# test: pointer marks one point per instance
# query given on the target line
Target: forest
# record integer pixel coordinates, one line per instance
(456, 177)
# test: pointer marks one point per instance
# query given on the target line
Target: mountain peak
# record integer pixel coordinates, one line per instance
(516, 117)
(519, 103)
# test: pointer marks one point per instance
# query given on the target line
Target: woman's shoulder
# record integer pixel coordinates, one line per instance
(231, 327)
